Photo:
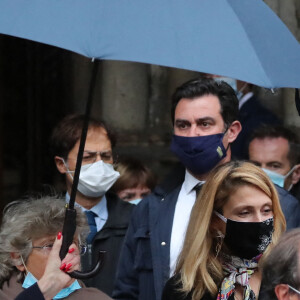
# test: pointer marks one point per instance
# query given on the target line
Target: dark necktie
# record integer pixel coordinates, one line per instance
(93, 227)
(197, 189)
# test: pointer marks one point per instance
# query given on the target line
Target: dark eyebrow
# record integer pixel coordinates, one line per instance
(180, 121)
(205, 119)
(93, 152)
(257, 163)
(274, 162)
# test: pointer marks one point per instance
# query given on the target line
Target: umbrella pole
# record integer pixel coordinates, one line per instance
(69, 226)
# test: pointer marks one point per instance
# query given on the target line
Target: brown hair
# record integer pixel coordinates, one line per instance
(133, 173)
(68, 132)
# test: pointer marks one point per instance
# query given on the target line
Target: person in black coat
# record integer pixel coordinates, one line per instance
(252, 114)
(107, 215)
(236, 218)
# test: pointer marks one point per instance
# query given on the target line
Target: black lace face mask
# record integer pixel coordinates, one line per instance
(247, 239)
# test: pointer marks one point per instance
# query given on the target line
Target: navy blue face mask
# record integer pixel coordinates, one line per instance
(199, 154)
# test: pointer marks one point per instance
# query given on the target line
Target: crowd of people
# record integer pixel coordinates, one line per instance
(215, 230)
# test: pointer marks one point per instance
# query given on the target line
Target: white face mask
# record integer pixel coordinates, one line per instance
(96, 179)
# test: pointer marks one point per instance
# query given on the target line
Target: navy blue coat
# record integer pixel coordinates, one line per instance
(145, 258)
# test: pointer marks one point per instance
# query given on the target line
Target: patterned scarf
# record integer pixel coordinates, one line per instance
(239, 271)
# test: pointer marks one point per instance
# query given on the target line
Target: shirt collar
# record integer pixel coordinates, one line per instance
(100, 209)
(245, 98)
(190, 182)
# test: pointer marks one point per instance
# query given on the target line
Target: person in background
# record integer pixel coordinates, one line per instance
(252, 114)
(136, 180)
(276, 149)
(281, 269)
(108, 216)
(235, 221)
(29, 252)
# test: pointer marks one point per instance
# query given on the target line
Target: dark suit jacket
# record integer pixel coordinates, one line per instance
(145, 258)
(110, 239)
(252, 115)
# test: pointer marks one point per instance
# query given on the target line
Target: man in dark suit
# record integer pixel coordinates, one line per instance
(204, 114)
(252, 114)
(107, 215)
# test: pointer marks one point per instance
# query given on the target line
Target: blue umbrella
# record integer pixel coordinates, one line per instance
(242, 39)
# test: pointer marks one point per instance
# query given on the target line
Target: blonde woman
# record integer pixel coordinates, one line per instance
(234, 222)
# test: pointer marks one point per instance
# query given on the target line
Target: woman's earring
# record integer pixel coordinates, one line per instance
(220, 237)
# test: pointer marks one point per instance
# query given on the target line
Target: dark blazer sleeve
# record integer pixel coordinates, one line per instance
(32, 292)
(290, 207)
(127, 283)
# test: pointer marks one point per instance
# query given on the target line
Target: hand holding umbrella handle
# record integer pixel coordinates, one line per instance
(68, 234)
(93, 272)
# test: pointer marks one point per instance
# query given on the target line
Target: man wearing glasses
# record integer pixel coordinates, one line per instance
(107, 215)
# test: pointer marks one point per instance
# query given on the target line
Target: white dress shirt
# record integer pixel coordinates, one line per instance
(185, 202)
(100, 209)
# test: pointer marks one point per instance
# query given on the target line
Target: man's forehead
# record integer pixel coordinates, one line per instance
(199, 105)
(272, 143)
(269, 149)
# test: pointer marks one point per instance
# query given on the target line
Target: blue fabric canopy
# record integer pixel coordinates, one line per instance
(242, 39)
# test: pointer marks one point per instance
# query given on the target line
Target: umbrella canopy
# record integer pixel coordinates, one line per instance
(242, 39)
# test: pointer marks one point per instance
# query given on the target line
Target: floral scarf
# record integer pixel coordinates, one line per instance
(239, 271)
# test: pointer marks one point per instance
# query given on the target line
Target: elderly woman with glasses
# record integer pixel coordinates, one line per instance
(30, 241)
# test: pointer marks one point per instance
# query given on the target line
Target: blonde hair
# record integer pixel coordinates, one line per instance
(198, 266)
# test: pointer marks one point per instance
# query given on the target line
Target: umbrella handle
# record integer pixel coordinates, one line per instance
(68, 234)
(93, 272)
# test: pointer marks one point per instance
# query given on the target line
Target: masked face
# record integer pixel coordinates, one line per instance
(271, 154)
(248, 215)
(97, 147)
(96, 179)
(198, 132)
(247, 239)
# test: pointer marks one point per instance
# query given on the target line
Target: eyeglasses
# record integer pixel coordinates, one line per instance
(89, 157)
(47, 248)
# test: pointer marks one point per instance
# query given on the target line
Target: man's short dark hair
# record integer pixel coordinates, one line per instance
(278, 131)
(207, 86)
(68, 132)
(282, 265)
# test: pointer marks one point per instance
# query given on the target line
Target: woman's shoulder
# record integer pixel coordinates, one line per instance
(88, 293)
(172, 290)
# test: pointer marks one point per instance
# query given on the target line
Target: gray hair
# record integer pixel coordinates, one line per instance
(27, 220)
(281, 266)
